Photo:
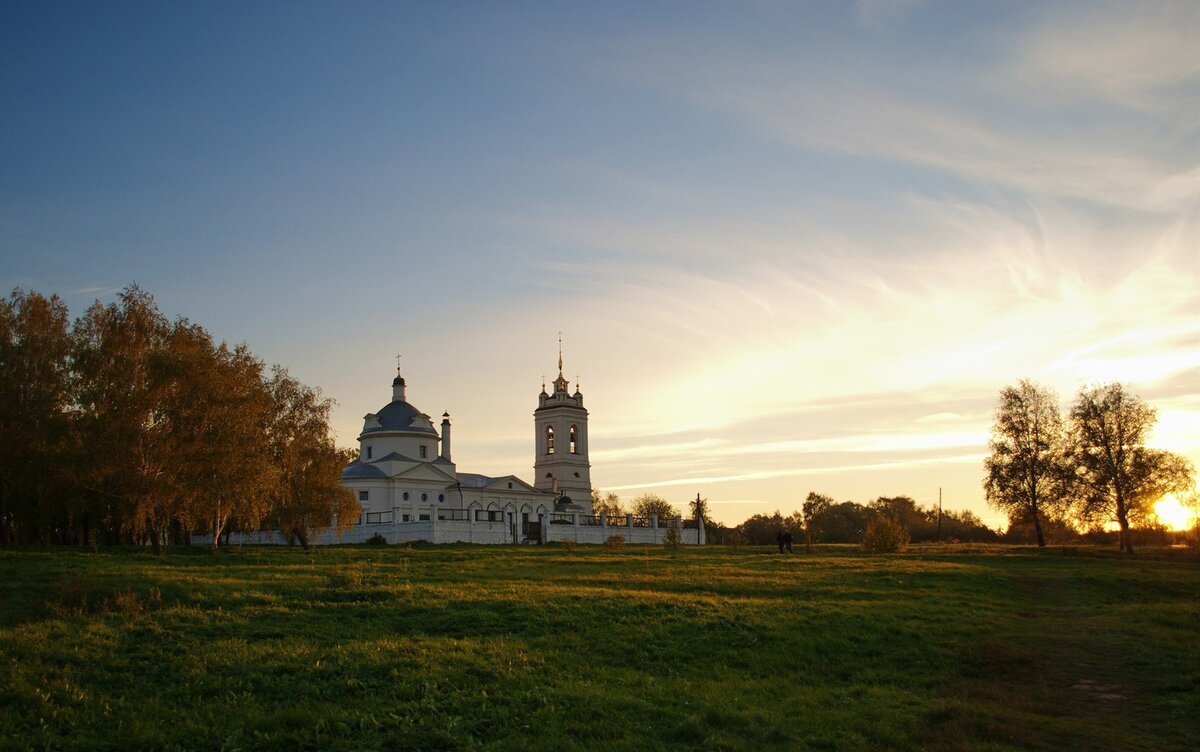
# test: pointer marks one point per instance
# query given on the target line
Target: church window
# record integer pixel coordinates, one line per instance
(549, 439)
(424, 450)
(424, 497)
(405, 495)
(364, 495)
(369, 452)
(510, 485)
(549, 475)
(574, 439)
(441, 498)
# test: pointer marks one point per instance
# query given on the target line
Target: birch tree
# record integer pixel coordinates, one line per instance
(306, 492)
(34, 344)
(1027, 473)
(1120, 476)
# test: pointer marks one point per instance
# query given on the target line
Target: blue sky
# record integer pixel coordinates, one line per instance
(791, 247)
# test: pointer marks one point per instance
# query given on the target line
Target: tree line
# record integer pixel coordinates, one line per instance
(1090, 468)
(821, 519)
(125, 427)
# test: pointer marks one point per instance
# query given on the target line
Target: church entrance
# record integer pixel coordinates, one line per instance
(531, 532)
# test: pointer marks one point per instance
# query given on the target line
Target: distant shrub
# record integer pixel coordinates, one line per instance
(568, 545)
(884, 535)
(615, 542)
(672, 538)
(376, 540)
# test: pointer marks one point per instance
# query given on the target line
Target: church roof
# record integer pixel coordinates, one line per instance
(399, 416)
(358, 469)
(474, 480)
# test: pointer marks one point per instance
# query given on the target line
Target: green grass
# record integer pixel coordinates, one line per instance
(528, 648)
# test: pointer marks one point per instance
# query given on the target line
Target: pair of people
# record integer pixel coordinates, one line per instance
(785, 541)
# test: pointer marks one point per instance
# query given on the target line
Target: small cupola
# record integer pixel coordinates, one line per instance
(398, 387)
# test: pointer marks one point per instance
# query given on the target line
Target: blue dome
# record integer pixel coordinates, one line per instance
(399, 416)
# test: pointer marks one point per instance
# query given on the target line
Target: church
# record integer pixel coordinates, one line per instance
(410, 489)
(405, 470)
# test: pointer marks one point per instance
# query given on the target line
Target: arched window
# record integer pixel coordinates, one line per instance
(574, 439)
(549, 439)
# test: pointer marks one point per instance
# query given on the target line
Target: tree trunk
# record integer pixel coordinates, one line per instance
(1123, 521)
(1126, 538)
(1037, 527)
(216, 526)
(155, 539)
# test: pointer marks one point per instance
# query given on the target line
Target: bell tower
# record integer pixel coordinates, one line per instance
(561, 441)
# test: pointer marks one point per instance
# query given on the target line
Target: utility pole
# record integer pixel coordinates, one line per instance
(939, 531)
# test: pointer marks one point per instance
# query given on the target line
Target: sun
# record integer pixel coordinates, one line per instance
(1174, 514)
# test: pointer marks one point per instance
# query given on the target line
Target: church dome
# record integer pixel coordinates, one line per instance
(400, 416)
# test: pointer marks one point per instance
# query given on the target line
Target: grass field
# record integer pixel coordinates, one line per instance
(544, 648)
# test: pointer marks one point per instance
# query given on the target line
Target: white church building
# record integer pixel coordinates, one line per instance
(410, 488)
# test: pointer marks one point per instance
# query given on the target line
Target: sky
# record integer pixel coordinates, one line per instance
(790, 247)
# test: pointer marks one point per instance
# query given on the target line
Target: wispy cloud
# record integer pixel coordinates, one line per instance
(999, 123)
(1136, 55)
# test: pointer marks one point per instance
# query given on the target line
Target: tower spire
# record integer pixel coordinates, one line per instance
(561, 383)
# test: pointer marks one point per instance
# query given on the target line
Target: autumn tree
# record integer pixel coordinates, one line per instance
(306, 491)
(1027, 474)
(814, 506)
(120, 382)
(607, 503)
(230, 472)
(1121, 478)
(34, 345)
(652, 504)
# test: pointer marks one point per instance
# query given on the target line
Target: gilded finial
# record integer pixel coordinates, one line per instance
(560, 353)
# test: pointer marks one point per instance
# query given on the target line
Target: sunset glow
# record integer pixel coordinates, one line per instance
(791, 247)
(1174, 514)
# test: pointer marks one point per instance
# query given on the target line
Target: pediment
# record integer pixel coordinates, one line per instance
(501, 484)
(427, 472)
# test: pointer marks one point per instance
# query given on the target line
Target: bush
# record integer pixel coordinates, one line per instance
(376, 540)
(615, 542)
(885, 536)
(672, 538)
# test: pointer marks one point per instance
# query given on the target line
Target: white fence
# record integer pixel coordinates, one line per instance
(552, 528)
